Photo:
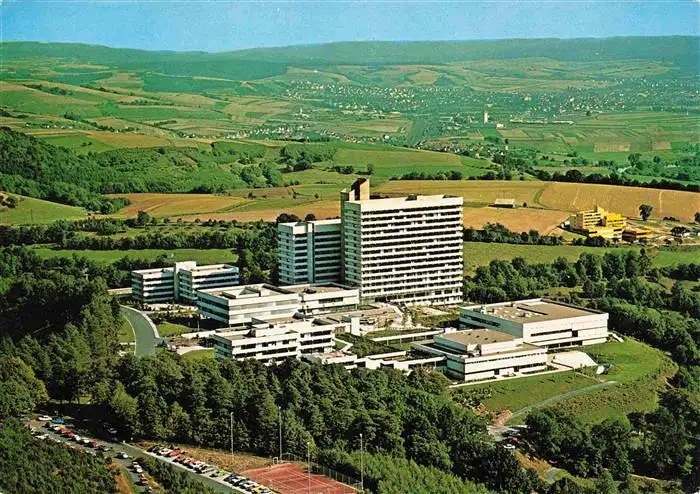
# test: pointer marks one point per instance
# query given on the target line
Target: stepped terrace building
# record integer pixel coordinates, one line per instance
(240, 305)
(274, 341)
(406, 250)
(540, 322)
(598, 223)
(484, 354)
(309, 252)
(180, 282)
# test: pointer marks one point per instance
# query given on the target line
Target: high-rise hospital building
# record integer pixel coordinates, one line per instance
(405, 250)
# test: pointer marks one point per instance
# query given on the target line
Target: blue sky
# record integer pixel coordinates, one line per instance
(221, 25)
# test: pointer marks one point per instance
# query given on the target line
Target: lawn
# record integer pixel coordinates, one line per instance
(172, 329)
(638, 369)
(199, 354)
(32, 211)
(126, 332)
(202, 256)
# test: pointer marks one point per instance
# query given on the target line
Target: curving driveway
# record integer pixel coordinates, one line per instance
(145, 332)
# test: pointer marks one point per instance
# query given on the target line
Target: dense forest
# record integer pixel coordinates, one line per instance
(30, 465)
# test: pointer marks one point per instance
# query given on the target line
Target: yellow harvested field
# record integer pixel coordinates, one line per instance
(176, 204)
(321, 209)
(127, 139)
(473, 191)
(625, 200)
(518, 220)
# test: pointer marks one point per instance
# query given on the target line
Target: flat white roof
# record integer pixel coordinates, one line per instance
(412, 201)
(477, 336)
(532, 310)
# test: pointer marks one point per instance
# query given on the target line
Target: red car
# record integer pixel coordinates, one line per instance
(173, 453)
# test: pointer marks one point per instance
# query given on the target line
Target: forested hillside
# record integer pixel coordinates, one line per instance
(264, 62)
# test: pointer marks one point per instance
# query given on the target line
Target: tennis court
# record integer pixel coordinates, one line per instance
(292, 478)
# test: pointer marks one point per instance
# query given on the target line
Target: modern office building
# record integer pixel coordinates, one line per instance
(238, 305)
(309, 252)
(275, 341)
(180, 282)
(195, 278)
(406, 250)
(484, 354)
(540, 322)
(598, 223)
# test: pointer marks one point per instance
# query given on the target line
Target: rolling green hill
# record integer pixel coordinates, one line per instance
(262, 62)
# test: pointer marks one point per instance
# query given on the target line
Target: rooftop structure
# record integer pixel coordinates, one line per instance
(540, 321)
(504, 203)
(406, 250)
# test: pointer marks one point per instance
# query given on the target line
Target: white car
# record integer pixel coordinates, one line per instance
(44, 418)
(122, 455)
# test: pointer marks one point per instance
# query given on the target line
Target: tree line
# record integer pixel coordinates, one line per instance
(576, 176)
(495, 232)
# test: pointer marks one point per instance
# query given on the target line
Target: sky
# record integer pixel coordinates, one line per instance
(223, 25)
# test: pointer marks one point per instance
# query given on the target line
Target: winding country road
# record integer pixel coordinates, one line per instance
(146, 337)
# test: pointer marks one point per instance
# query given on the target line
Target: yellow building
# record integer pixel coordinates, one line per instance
(598, 223)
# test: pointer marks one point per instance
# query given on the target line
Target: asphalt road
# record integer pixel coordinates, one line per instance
(146, 341)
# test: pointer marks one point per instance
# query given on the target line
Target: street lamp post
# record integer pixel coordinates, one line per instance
(279, 414)
(308, 459)
(231, 428)
(362, 466)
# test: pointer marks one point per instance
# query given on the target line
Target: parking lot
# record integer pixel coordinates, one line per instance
(62, 430)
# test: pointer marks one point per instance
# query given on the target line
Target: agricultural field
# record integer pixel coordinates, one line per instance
(160, 205)
(481, 253)
(30, 210)
(202, 256)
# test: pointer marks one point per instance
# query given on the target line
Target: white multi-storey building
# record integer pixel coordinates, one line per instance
(240, 305)
(309, 252)
(540, 322)
(180, 282)
(272, 342)
(153, 285)
(202, 278)
(406, 250)
(484, 354)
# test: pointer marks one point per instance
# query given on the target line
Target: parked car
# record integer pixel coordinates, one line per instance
(58, 420)
(123, 455)
(154, 448)
(174, 453)
(44, 418)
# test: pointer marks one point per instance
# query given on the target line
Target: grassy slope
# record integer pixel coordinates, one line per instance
(31, 210)
(639, 370)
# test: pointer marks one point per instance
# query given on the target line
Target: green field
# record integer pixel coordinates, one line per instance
(126, 332)
(172, 329)
(481, 253)
(206, 354)
(638, 370)
(30, 210)
(202, 256)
